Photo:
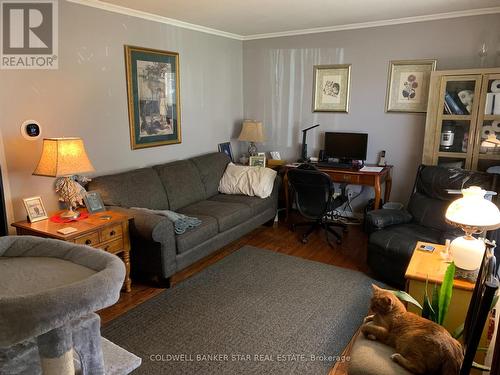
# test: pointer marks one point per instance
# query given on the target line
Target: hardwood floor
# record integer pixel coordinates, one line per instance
(350, 254)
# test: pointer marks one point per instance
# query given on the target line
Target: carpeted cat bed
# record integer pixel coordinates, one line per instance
(253, 312)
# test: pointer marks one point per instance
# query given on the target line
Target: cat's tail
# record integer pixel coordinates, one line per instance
(454, 359)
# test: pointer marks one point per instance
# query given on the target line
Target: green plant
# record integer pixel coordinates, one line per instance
(435, 309)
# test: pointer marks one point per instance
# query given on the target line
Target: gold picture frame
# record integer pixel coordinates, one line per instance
(153, 91)
(408, 85)
(257, 161)
(331, 88)
(35, 209)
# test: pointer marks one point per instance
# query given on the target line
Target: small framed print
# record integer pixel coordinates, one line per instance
(331, 88)
(275, 155)
(35, 209)
(261, 154)
(408, 85)
(93, 202)
(226, 149)
(257, 161)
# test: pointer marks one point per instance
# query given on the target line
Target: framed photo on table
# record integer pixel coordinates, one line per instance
(35, 209)
(153, 97)
(408, 85)
(331, 88)
(257, 161)
(93, 202)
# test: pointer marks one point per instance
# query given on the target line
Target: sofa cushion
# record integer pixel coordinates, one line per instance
(195, 236)
(228, 215)
(257, 204)
(211, 168)
(182, 183)
(370, 357)
(137, 188)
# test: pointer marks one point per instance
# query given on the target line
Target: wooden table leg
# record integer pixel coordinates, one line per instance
(377, 188)
(126, 257)
(388, 187)
(287, 198)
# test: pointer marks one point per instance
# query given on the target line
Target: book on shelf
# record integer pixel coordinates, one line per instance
(447, 109)
(452, 104)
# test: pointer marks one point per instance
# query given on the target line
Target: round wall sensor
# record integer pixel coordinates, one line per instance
(31, 130)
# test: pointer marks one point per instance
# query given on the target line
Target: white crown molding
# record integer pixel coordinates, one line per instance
(365, 25)
(352, 26)
(154, 17)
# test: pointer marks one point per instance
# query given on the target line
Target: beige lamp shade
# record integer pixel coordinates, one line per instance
(252, 131)
(63, 157)
(473, 210)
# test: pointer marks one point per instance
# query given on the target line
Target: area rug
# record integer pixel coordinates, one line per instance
(254, 312)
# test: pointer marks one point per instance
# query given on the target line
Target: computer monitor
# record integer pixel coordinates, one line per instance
(346, 146)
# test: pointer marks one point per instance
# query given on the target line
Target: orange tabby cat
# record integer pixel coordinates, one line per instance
(422, 347)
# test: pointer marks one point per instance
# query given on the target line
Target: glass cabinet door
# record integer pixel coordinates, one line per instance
(487, 145)
(456, 120)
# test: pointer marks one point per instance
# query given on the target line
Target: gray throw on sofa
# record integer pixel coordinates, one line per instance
(188, 187)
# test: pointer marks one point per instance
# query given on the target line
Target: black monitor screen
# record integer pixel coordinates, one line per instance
(346, 145)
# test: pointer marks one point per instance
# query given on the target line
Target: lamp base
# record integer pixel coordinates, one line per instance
(69, 215)
(252, 149)
(466, 274)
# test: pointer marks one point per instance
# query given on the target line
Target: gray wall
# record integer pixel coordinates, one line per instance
(87, 97)
(277, 83)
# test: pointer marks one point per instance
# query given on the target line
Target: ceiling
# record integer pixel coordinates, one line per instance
(254, 17)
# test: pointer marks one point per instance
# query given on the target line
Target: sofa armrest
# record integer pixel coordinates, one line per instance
(380, 219)
(154, 228)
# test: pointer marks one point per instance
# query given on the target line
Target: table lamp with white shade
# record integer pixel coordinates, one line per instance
(474, 214)
(64, 157)
(252, 131)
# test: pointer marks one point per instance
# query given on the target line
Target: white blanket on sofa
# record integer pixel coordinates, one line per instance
(252, 181)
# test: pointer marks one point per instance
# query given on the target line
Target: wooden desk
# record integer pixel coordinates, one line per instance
(352, 176)
(111, 235)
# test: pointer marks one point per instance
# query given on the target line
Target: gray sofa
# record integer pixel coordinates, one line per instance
(189, 187)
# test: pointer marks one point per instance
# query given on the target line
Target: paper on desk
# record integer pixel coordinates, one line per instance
(371, 169)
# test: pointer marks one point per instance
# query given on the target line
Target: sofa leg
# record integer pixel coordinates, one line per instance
(162, 282)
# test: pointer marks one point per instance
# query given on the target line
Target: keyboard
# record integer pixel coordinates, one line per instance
(334, 165)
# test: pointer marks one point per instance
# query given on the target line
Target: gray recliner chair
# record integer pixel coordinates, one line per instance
(49, 291)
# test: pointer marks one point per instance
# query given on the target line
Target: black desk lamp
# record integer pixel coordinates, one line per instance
(304, 158)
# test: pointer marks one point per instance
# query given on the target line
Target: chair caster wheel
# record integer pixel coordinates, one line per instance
(304, 240)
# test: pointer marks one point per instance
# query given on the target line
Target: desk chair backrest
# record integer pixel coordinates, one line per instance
(312, 191)
(480, 304)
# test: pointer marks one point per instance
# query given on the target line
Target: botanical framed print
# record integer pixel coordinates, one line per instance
(226, 149)
(408, 85)
(153, 97)
(93, 202)
(257, 161)
(35, 209)
(331, 88)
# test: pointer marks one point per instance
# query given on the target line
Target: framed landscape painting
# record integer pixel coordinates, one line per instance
(153, 97)
(408, 85)
(331, 88)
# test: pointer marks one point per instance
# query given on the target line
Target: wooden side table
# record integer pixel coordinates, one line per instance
(108, 230)
(425, 265)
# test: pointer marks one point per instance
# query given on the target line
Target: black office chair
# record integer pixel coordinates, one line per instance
(313, 192)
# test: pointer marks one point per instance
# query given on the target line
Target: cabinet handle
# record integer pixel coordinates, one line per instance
(112, 233)
(106, 248)
(88, 242)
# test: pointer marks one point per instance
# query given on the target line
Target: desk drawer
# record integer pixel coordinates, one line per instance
(113, 246)
(346, 178)
(111, 233)
(89, 239)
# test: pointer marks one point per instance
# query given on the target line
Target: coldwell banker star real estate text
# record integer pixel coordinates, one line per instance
(29, 34)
